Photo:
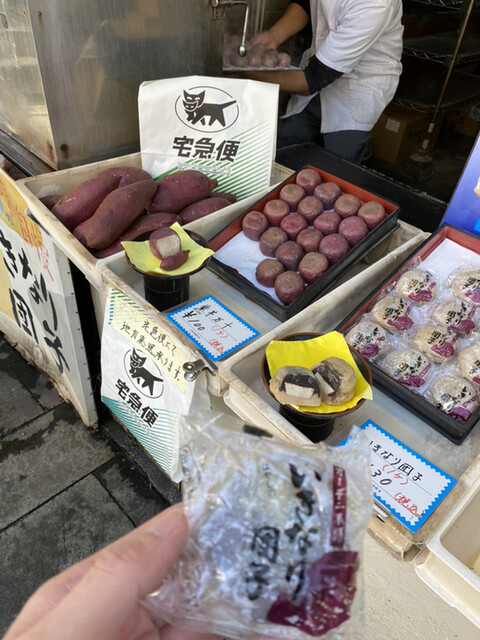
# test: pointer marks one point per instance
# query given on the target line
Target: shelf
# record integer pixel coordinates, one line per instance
(421, 93)
(445, 4)
(440, 47)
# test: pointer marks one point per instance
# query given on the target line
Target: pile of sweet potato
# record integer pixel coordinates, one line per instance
(123, 203)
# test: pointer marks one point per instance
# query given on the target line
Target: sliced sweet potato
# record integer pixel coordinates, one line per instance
(164, 243)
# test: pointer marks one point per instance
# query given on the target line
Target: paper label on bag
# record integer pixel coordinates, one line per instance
(224, 127)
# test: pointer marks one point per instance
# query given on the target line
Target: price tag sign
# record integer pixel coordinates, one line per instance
(406, 484)
(212, 327)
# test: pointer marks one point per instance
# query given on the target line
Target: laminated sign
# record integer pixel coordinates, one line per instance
(224, 127)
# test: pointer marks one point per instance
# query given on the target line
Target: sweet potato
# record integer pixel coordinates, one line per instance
(79, 233)
(127, 175)
(177, 190)
(170, 263)
(50, 201)
(117, 212)
(231, 197)
(202, 208)
(81, 202)
(144, 224)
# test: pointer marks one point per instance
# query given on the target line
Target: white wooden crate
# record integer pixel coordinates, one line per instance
(60, 182)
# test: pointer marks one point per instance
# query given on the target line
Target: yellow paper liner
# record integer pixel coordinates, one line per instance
(141, 256)
(306, 353)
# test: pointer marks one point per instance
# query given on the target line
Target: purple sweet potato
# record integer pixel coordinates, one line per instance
(202, 208)
(50, 201)
(127, 175)
(177, 190)
(117, 212)
(79, 233)
(145, 223)
(81, 202)
(170, 263)
(231, 197)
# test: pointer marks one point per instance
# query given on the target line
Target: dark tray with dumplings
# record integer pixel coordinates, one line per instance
(326, 281)
(440, 421)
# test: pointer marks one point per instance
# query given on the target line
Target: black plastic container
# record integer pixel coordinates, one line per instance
(325, 282)
(452, 429)
(164, 292)
(316, 426)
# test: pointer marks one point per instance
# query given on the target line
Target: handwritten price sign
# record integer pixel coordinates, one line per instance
(404, 482)
(212, 327)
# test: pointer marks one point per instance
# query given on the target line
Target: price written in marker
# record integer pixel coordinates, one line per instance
(212, 327)
(404, 482)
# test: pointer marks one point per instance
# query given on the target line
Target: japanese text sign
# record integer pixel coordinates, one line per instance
(406, 484)
(212, 327)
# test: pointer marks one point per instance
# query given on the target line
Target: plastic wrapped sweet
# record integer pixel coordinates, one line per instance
(417, 285)
(393, 313)
(455, 396)
(275, 531)
(368, 338)
(455, 314)
(436, 342)
(466, 285)
(469, 363)
(407, 366)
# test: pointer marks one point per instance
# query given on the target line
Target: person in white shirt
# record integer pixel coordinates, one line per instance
(347, 76)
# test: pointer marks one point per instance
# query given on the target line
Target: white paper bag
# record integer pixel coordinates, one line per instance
(224, 127)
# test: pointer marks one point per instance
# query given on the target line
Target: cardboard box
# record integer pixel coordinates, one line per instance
(400, 132)
(460, 121)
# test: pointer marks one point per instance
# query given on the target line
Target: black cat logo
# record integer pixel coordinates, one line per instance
(198, 110)
(212, 111)
(139, 374)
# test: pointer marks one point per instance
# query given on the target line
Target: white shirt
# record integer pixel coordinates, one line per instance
(362, 39)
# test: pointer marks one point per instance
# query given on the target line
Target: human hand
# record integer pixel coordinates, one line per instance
(266, 38)
(99, 598)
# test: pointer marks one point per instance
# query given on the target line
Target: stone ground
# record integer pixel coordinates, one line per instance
(66, 490)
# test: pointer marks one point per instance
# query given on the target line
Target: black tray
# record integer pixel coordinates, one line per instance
(324, 282)
(455, 431)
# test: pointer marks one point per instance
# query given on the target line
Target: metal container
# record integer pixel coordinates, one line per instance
(71, 70)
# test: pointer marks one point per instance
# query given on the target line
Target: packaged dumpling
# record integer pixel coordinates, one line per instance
(457, 315)
(275, 530)
(436, 342)
(393, 313)
(407, 366)
(454, 396)
(466, 285)
(368, 338)
(468, 362)
(417, 285)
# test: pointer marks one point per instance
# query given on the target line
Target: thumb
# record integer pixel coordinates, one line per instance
(110, 591)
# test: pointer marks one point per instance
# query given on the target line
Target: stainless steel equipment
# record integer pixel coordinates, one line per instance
(70, 70)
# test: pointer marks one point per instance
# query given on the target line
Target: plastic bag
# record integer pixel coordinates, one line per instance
(275, 531)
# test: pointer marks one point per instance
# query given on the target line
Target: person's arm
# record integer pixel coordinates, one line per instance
(294, 19)
(316, 75)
